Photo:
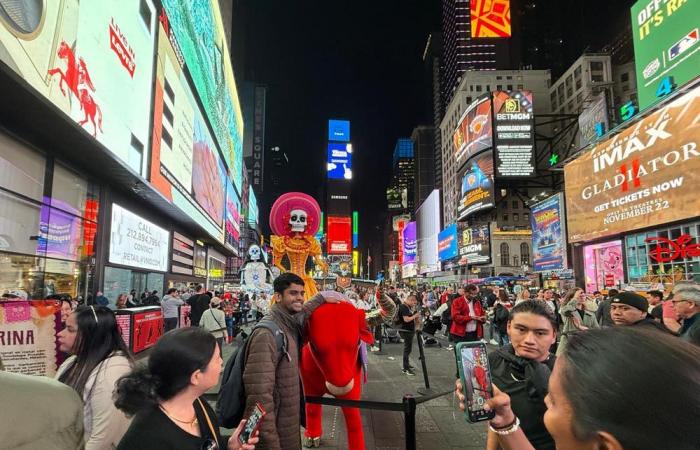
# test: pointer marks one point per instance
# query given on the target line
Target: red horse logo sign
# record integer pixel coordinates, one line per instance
(77, 78)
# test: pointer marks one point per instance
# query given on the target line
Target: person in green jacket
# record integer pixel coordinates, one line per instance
(575, 316)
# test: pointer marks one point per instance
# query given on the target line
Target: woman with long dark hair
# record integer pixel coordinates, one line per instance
(99, 358)
(164, 396)
(615, 364)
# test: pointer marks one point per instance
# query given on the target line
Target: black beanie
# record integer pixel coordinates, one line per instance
(631, 299)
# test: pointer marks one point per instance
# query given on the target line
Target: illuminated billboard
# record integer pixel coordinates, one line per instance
(477, 186)
(339, 130)
(199, 31)
(474, 244)
(474, 132)
(514, 136)
(409, 243)
(490, 18)
(93, 59)
(646, 175)
(396, 198)
(666, 46)
(233, 217)
(339, 235)
(447, 243)
(339, 165)
(548, 225)
(428, 229)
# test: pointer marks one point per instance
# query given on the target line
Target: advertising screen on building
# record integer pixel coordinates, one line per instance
(410, 248)
(339, 235)
(199, 31)
(428, 229)
(338, 198)
(644, 176)
(136, 242)
(340, 264)
(253, 211)
(490, 18)
(474, 132)
(548, 225)
(339, 130)
(93, 59)
(514, 137)
(233, 217)
(474, 245)
(666, 44)
(603, 266)
(339, 165)
(396, 198)
(447, 243)
(396, 220)
(593, 120)
(477, 186)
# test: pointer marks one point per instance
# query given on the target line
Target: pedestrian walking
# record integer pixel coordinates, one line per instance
(407, 318)
(170, 306)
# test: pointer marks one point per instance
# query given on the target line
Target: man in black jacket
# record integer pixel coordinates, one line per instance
(199, 303)
(522, 369)
(630, 309)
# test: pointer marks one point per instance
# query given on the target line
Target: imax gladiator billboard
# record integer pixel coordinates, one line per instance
(644, 176)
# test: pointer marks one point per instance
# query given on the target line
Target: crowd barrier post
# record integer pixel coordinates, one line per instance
(409, 414)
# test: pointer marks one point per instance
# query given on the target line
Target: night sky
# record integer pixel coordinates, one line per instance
(362, 61)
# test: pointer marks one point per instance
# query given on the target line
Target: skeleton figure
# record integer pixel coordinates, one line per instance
(297, 220)
(254, 275)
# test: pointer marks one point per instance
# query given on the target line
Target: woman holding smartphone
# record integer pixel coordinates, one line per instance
(619, 416)
(165, 396)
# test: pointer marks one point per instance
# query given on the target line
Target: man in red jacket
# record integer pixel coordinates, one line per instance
(468, 316)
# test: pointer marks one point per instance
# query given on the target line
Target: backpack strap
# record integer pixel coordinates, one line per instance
(279, 335)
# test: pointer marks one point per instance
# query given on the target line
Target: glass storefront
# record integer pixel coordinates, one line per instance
(646, 264)
(123, 281)
(47, 232)
(603, 266)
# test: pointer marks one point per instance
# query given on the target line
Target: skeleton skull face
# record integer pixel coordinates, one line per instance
(254, 253)
(297, 220)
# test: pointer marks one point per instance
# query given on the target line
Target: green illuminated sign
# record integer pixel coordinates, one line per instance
(355, 220)
(666, 46)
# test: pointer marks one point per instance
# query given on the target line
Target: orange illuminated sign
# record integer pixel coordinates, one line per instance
(490, 18)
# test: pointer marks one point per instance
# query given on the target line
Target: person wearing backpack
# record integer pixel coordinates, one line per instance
(265, 368)
(214, 321)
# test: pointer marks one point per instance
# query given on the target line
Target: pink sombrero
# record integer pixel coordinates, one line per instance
(279, 214)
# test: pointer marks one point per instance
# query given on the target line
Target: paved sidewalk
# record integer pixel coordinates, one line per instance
(439, 424)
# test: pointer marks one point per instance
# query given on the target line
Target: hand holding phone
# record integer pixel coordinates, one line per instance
(252, 424)
(475, 376)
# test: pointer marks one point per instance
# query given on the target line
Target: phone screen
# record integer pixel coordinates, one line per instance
(251, 424)
(476, 380)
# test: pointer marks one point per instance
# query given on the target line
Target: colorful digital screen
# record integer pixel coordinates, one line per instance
(339, 165)
(474, 132)
(447, 243)
(410, 245)
(233, 216)
(490, 18)
(548, 234)
(93, 59)
(339, 130)
(646, 175)
(603, 266)
(514, 136)
(136, 242)
(339, 235)
(477, 186)
(666, 39)
(428, 222)
(474, 244)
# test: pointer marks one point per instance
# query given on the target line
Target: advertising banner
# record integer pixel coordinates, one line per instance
(474, 245)
(233, 217)
(399, 240)
(93, 59)
(603, 266)
(474, 132)
(339, 165)
(409, 270)
(397, 199)
(339, 235)
(593, 116)
(137, 242)
(477, 186)
(646, 175)
(340, 264)
(666, 44)
(208, 173)
(548, 225)
(515, 134)
(447, 243)
(199, 31)
(410, 245)
(28, 330)
(59, 232)
(428, 229)
(490, 18)
(396, 220)
(147, 329)
(338, 130)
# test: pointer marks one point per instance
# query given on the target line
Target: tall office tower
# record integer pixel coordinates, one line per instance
(432, 59)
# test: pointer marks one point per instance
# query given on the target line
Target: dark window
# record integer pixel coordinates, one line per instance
(505, 254)
(516, 217)
(625, 76)
(145, 13)
(505, 217)
(168, 114)
(169, 91)
(516, 204)
(597, 65)
(167, 138)
(526, 216)
(499, 87)
(524, 253)
(478, 88)
(510, 87)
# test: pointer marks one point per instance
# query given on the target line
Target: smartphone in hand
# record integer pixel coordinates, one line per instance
(252, 424)
(475, 374)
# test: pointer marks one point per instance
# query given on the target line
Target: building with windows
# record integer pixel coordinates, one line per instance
(432, 59)
(404, 170)
(511, 251)
(424, 180)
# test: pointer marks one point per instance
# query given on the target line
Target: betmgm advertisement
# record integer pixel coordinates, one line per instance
(548, 234)
(646, 175)
(514, 137)
(666, 44)
(474, 245)
(93, 59)
(477, 191)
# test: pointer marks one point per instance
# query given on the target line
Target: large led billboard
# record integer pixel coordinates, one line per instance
(93, 59)
(339, 165)
(490, 18)
(548, 234)
(474, 131)
(474, 244)
(410, 248)
(136, 242)
(428, 229)
(666, 44)
(477, 191)
(514, 136)
(233, 217)
(648, 174)
(339, 130)
(396, 198)
(339, 235)
(199, 31)
(447, 243)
